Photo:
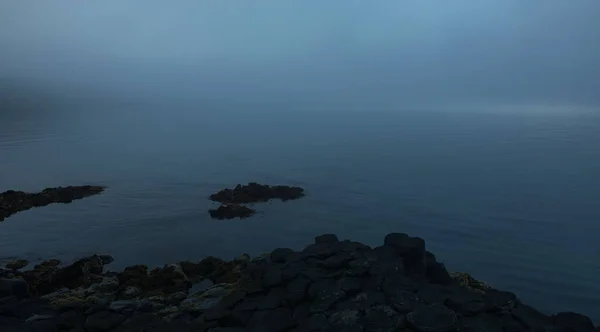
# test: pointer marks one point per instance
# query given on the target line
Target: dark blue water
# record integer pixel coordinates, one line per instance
(511, 198)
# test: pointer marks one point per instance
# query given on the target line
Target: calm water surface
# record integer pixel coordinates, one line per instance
(512, 199)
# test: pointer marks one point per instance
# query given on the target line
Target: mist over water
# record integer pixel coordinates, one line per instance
(474, 125)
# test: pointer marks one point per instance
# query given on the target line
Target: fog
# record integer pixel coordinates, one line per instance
(347, 53)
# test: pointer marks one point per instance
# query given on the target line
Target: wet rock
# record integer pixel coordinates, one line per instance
(499, 300)
(124, 305)
(276, 320)
(231, 211)
(280, 255)
(48, 277)
(482, 323)
(337, 261)
(272, 276)
(571, 321)
(382, 318)
(350, 285)
(411, 249)
(254, 192)
(314, 323)
(15, 201)
(17, 264)
(530, 318)
(103, 321)
(326, 239)
(432, 318)
(296, 289)
(17, 287)
(436, 272)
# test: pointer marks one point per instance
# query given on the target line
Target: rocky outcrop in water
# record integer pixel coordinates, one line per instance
(253, 192)
(330, 285)
(12, 201)
(231, 211)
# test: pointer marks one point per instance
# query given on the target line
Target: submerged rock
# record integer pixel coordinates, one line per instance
(231, 211)
(12, 201)
(17, 264)
(254, 192)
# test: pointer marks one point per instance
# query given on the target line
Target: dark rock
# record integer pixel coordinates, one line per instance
(272, 300)
(367, 299)
(382, 318)
(326, 239)
(314, 323)
(17, 287)
(48, 277)
(337, 261)
(233, 298)
(482, 323)
(296, 289)
(280, 255)
(103, 321)
(436, 271)
(432, 318)
(276, 320)
(499, 300)
(15, 201)
(412, 250)
(272, 276)
(321, 250)
(466, 280)
(359, 266)
(467, 303)
(350, 285)
(401, 300)
(70, 319)
(212, 268)
(433, 293)
(254, 192)
(571, 321)
(292, 270)
(346, 320)
(17, 264)
(530, 318)
(231, 211)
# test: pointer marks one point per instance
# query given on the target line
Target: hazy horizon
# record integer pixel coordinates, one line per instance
(387, 53)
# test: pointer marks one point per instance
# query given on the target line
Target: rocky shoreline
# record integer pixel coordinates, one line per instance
(330, 285)
(12, 201)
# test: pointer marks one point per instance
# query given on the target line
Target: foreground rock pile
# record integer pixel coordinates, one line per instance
(331, 285)
(12, 201)
(232, 199)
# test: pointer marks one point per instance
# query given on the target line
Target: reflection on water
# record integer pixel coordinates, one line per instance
(510, 198)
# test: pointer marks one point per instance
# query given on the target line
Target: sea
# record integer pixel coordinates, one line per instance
(511, 197)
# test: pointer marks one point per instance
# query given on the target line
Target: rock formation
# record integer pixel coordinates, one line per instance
(12, 201)
(330, 285)
(253, 192)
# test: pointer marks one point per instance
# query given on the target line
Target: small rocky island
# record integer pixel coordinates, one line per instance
(330, 285)
(232, 199)
(12, 201)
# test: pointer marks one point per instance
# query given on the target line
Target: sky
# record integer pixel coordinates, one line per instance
(392, 52)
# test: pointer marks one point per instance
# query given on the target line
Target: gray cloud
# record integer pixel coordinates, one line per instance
(390, 52)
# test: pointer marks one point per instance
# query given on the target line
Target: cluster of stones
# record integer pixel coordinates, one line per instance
(12, 201)
(330, 285)
(232, 200)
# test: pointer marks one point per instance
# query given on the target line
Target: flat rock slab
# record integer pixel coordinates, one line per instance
(12, 201)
